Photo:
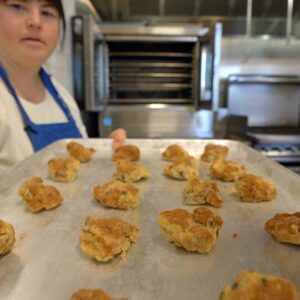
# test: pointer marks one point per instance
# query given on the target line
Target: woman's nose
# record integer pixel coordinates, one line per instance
(34, 18)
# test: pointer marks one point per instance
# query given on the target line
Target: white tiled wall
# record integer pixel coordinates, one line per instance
(60, 63)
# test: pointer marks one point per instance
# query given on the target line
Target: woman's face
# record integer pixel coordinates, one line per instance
(29, 31)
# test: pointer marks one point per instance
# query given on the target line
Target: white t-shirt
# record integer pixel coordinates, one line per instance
(15, 144)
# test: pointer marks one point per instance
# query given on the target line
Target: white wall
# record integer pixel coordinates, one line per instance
(60, 63)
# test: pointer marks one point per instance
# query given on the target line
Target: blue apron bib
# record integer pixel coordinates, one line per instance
(42, 135)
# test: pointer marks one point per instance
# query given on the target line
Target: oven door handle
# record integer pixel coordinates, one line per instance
(269, 79)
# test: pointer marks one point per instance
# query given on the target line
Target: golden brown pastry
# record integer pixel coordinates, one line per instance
(126, 152)
(182, 169)
(197, 231)
(7, 237)
(117, 194)
(38, 196)
(252, 188)
(227, 170)
(202, 191)
(85, 294)
(128, 171)
(285, 228)
(63, 169)
(80, 152)
(213, 152)
(174, 152)
(256, 286)
(104, 238)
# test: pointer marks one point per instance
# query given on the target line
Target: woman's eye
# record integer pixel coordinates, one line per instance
(50, 13)
(16, 6)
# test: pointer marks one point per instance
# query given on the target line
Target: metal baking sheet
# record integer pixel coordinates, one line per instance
(47, 263)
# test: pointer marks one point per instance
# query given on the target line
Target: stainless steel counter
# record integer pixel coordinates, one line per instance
(47, 263)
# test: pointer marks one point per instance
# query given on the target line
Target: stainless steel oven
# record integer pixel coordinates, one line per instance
(271, 106)
(158, 81)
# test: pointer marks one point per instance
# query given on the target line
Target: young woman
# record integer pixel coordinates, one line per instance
(35, 110)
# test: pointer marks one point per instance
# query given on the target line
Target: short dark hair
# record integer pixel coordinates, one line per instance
(58, 5)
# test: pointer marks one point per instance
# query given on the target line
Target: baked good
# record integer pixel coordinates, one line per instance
(182, 169)
(38, 196)
(256, 286)
(80, 152)
(252, 188)
(85, 294)
(128, 171)
(285, 228)
(227, 170)
(104, 238)
(7, 237)
(117, 194)
(126, 152)
(201, 191)
(195, 231)
(174, 152)
(213, 152)
(63, 169)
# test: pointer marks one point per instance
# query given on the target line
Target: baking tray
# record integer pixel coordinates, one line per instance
(47, 263)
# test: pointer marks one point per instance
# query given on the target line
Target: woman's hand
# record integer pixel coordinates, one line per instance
(119, 136)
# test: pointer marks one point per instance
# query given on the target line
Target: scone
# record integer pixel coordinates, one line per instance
(128, 171)
(63, 169)
(182, 169)
(91, 295)
(174, 152)
(117, 194)
(7, 237)
(256, 286)
(201, 191)
(252, 188)
(38, 196)
(285, 228)
(197, 231)
(80, 152)
(213, 152)
(103, 238)
(227, 170)
(126, 152)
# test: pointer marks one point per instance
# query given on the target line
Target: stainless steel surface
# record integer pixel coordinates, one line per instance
(120, 28)
(263, 78)
(289, 22)
(158, 121)
(249, 18)
(47, 263)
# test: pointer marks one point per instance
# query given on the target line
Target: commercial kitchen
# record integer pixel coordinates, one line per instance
(188, 73)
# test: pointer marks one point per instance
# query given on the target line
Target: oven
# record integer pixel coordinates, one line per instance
(269, 105)
(154, 81)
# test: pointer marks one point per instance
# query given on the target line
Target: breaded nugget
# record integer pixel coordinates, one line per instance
(201, 191)
(252, 188)
(174, 152)
(85, 294)
(256, 286)
(104, 238)
(63, 169)
(213, 152)
(117, 194)
(227, 170)
(7, 237)
(38, 196)
(285, 228)
(126, 152)
(128, 171)
(195, 232)
(80, 152)
(182, 169)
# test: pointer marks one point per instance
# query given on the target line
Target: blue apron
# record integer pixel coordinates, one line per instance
(42, 135)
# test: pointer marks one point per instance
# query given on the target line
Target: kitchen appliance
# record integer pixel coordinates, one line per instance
(271, 105)
(154, 81)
